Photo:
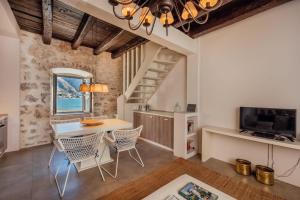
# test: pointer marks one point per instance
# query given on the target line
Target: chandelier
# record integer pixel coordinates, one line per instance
(145, 12)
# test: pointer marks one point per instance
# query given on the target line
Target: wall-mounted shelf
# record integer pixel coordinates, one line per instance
(207, 140)
(185, 134)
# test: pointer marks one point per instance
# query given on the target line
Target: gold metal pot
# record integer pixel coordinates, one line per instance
(265, 175)
(243, 167)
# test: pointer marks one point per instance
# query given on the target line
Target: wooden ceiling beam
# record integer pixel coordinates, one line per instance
(85, 26)
(47, 21)
(232, 13)
(200, 14)
(108, 42)
(129, 45)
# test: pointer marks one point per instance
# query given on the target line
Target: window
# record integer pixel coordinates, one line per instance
(67, 98)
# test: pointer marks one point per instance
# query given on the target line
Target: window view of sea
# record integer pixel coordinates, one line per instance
(68, 96)
(68, 104)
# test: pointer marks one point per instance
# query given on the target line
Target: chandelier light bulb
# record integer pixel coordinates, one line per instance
(146, 16)
(189, 11)
(208, 4)
(166, 19)
(128, 10)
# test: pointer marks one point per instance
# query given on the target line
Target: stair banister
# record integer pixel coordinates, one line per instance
(151, 54)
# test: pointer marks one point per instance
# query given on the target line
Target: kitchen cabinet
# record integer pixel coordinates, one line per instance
(159, 129)
(166, 131)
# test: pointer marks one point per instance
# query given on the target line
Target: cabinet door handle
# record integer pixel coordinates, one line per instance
(150, 117)
(166, 119)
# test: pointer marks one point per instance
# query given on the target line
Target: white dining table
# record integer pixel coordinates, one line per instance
(71, 129)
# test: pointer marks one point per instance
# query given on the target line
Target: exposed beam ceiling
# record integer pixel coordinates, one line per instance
(68, 22)
(131, 44)
(47, 21)
(108, 42)
(231, 13)
(176, 40)
(85, 26)
(53, 18)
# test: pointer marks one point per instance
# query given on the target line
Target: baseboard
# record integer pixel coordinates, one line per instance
(156, 144)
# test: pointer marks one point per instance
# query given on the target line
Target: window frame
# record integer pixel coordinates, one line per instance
(54, 85)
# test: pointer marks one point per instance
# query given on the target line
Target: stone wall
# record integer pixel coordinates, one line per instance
(36, 61)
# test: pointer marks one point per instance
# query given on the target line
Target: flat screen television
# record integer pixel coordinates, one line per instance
(269, 121)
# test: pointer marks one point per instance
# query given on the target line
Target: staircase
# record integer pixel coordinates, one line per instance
(144, 69)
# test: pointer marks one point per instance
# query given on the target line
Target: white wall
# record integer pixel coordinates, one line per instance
(172, 90)
(255, 62)
(9, 26)
(9, 88)
(9, 74)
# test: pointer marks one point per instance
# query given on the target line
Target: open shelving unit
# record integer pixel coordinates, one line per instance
(185, 134)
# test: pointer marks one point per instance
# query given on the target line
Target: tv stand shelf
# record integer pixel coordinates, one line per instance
(208, 131)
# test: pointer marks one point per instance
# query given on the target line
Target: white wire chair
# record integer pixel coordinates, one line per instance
(124, 140)
(56, 145)
(78, 149)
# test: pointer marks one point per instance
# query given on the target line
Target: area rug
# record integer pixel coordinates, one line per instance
(144, 186)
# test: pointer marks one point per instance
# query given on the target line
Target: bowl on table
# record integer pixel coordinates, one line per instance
(91, 122)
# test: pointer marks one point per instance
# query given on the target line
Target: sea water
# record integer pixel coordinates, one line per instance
(69, 104)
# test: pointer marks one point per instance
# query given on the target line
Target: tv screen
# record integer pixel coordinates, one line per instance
(268, 120)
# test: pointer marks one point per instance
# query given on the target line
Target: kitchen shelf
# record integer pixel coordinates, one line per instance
(185, 134)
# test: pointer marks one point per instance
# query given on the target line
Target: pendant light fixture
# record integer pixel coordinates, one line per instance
(94, 88)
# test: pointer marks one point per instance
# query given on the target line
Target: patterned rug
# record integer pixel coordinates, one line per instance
(144, 186)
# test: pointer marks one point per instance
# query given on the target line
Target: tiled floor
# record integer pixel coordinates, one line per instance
(25, 175)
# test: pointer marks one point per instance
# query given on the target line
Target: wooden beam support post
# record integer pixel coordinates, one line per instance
(108, 42)
(131, 44)
(47, 21)
(85, 26)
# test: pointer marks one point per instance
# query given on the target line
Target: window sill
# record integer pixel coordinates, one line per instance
(70, 113)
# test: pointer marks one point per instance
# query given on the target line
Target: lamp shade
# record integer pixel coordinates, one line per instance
(84, 87)
(167, 19)
(207, 4)
(189, 11)
(128, 9)
(98, 87)
(146, 16)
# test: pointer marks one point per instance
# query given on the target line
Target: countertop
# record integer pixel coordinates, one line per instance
(157, 112)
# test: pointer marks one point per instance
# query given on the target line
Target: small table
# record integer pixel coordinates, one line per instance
(174, 186)
(71, 129)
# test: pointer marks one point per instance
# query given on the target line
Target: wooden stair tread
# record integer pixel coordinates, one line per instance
(152, 78)
(137, 98)
(147, 85)
(144, 92)
(167, 62)
(157, 70)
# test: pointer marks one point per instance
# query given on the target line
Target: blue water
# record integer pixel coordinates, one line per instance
(68, 104)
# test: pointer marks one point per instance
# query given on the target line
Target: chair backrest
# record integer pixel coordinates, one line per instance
(126, 139)
(81, 148)
(97, 117)
(59, 121)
